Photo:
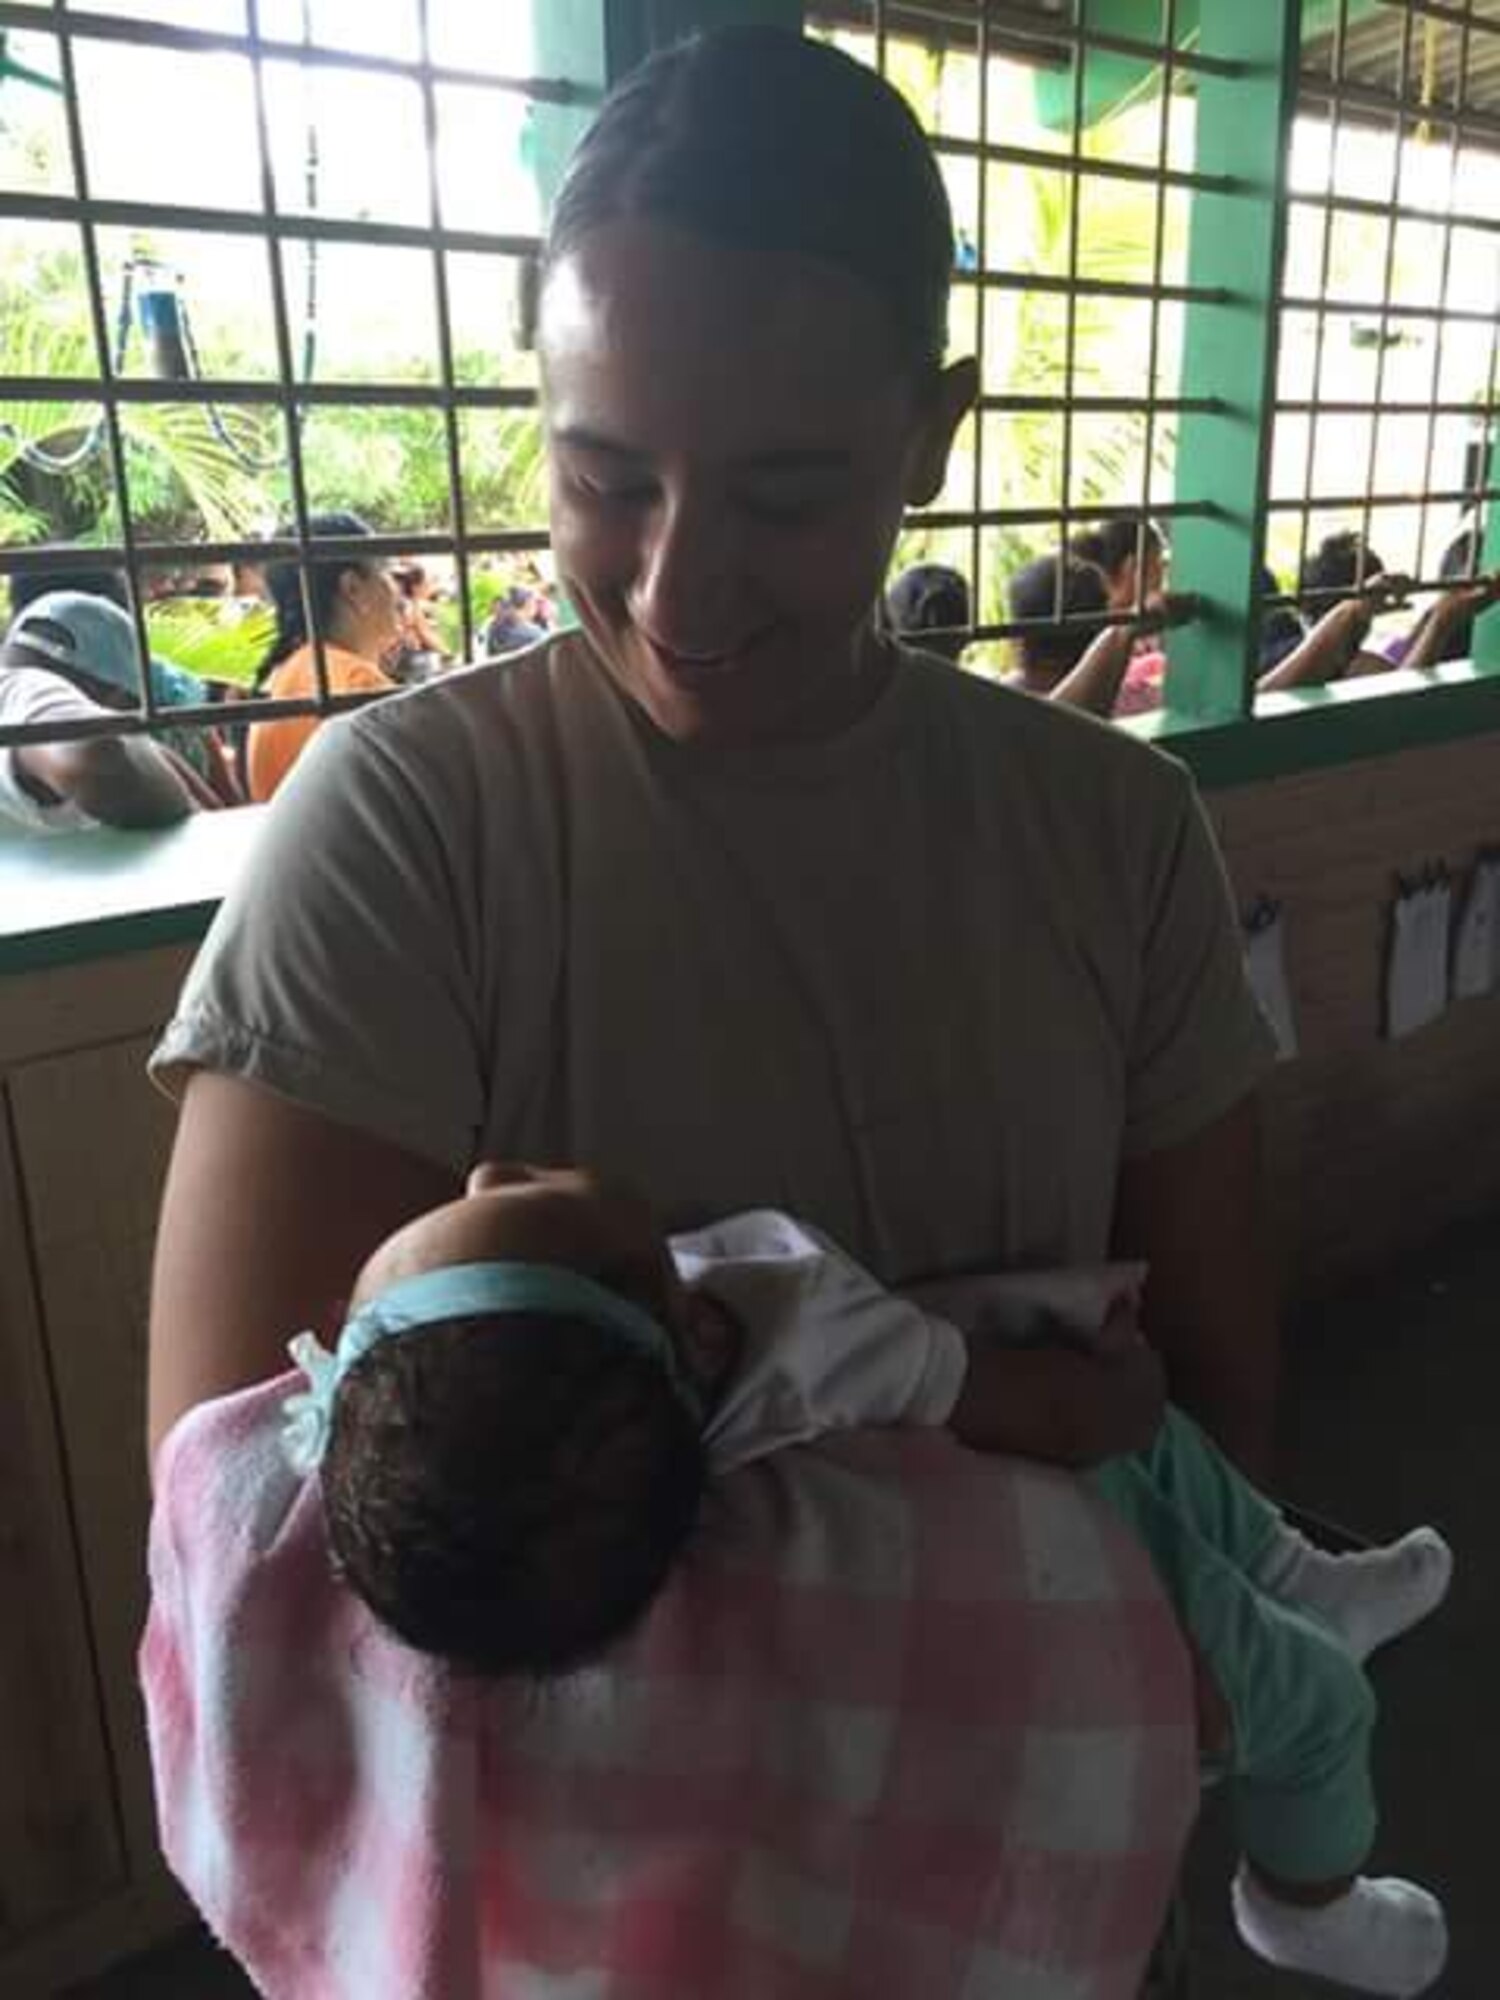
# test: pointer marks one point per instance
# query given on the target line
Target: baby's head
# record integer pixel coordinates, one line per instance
(509, 1479)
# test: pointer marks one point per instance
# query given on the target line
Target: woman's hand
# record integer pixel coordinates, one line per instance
(1062, 1405)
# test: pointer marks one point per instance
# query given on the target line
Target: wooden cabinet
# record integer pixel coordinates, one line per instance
(84, 1140)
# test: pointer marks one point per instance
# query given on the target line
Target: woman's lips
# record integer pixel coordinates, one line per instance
(701, 669)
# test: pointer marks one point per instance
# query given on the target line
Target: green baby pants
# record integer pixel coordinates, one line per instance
(1302, 1707)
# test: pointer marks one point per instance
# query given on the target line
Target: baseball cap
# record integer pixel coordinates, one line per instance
(79, 634)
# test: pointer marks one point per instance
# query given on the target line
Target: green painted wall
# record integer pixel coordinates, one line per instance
(1229, 354)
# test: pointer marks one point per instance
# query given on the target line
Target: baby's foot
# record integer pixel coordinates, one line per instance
(1382, 1936)
(1368, 1598)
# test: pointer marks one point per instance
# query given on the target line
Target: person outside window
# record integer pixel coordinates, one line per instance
(356, 606)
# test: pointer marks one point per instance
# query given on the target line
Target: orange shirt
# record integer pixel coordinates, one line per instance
(276, 746)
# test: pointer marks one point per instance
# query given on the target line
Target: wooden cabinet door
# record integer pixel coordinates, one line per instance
(60, 1845)
(92, 1140)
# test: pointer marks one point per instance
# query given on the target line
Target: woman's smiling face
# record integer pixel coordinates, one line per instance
(733, 440)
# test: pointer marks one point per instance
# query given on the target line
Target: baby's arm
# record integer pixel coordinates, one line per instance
(829, 1348)
(826, 1347)
(1069, 1406)
(1058, 1370)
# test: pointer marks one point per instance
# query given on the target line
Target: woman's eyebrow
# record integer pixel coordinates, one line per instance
(581, 438)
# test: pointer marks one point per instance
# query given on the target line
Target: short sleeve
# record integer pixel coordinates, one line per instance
(339, 971)
(1199, 1042)
(30, 696)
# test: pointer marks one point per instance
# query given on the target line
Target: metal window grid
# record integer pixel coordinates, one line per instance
(1061, 36)
(1430, 51)
(91, 210)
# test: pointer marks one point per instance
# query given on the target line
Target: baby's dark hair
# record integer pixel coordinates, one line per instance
(510, 1490)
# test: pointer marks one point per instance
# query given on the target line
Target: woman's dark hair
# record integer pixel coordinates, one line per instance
(1033, 594)
(1341, 562)
(510, 1491)
(284, 582)
(1114, 543)
(763, 140)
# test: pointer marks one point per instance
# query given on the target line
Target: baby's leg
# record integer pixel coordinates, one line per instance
(1302, 1712)
(1368, 1598)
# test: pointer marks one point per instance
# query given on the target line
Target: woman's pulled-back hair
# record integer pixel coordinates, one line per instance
(284, 583)
(762, 140)
(510, 1491)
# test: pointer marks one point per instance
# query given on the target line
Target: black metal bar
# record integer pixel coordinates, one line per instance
(291, 416)
(1070, 320)
(332, 548)
(445, 337)
(1353, 502)
(1158, 252)
(149, 389)
(142, 32)
(1444, 275)
(1022, 517)
(981, 330)
(1025, 28)
(1102, 288)
(257, 222)
(1185, 178)
(98, 314)
(1388, 280)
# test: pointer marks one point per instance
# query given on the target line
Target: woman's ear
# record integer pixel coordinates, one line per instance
(948, 402)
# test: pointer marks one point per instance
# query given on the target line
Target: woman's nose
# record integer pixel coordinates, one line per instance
(492, 1174)
(687, 588)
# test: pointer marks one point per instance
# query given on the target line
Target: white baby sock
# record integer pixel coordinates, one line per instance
(1381, 1936)
(1367, 1597)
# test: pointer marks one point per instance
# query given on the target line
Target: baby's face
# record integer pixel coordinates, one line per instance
(532, 1215)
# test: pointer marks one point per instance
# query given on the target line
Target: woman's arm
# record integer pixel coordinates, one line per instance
(269, 1212)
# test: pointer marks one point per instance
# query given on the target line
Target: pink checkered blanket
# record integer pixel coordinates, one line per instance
(907, 1725)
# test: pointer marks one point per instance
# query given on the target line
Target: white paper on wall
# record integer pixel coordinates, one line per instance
(1416, 980)
(1265, 961)
(1476, 949)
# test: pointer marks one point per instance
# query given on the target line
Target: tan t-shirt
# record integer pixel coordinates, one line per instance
(923, 985)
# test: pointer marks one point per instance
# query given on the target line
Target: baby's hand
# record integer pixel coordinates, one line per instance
(1064, 1406)
(1121, 1330)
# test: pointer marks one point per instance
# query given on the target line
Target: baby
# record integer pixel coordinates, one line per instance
(510, 1487)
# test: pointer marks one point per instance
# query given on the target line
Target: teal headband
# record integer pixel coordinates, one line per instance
(461, 1291)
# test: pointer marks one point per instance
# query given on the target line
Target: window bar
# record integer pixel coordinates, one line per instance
(1070, 319)
(1404, 85)
(1320, 332)
(137, 31)
(1445, 267)
(136, 214)
(1189, 179)
(445, 337)
(291, 412)
(98, 313)
(1158, 254)
(1040, 32)
(1479, 489)
(978, 583)
(882, 37)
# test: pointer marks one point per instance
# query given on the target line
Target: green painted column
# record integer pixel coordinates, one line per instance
(637, 27)
(594, 42)
(1229, 353)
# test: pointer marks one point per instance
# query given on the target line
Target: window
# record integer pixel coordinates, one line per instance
(1069, 154)
(1389, 334)
(261, 260)
(1235, 271)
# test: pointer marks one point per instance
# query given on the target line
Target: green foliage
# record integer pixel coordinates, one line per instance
(206, 637)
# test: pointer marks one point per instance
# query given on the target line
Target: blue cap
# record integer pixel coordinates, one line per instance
(80, 633)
